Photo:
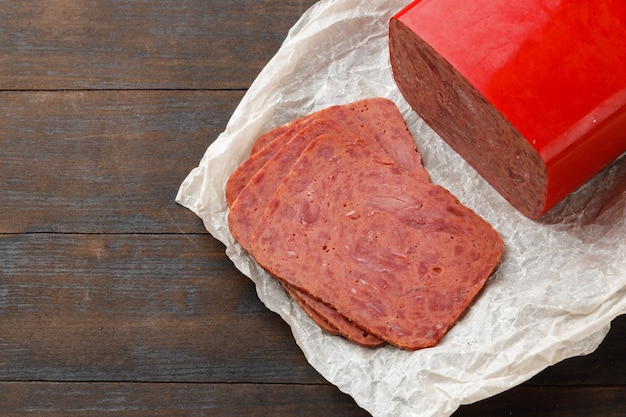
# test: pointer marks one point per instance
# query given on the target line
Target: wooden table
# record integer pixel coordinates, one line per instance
(114, 300)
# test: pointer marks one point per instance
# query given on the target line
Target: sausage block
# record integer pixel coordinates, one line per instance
(531, 94)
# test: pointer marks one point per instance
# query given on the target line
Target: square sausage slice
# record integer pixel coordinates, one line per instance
(400, 257)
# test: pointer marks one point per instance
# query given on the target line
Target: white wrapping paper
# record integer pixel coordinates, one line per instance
(561, 280)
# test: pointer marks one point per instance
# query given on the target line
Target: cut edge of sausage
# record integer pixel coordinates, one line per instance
(463, 118)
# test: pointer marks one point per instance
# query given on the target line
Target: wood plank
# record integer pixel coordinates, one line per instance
(162, 307)
(551, 401)
(99, 399)
(154, 400)
(121, 44)
(104, 161)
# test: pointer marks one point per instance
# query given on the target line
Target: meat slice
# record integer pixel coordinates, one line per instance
(288, 128)
(242, 175)
(331, 321)
(261, 153)
(381, 119)
(374, 119)
(323, 322)
(399, 257)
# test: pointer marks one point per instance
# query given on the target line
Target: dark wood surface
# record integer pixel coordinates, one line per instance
(114, 300)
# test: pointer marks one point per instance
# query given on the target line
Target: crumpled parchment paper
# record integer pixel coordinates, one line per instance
(561, 280)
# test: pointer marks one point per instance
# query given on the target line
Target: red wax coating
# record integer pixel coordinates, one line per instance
(555, 69)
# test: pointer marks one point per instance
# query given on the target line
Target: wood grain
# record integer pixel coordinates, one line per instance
(526, 401)
(104, 161)
(181, 400)
(124, 44)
